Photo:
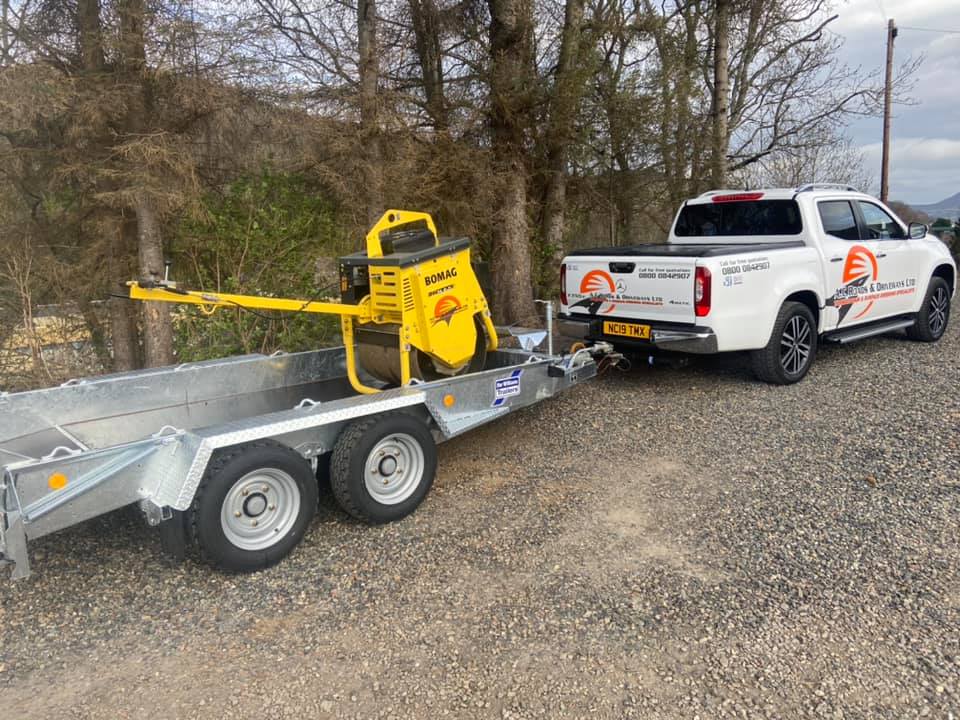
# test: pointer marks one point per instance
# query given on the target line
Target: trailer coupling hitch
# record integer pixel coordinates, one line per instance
(602, 353)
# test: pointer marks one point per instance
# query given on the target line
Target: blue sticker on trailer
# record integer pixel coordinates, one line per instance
(506, 387)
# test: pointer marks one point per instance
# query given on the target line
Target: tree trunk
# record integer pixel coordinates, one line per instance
(511, 76)
(721, 92)
(97, 335)
(370, 141)
(157, 326)
(568, 89)
(511, 267)
(123, 337)
(426, 31)
(90, 36)
(6, 34)
(123, 333)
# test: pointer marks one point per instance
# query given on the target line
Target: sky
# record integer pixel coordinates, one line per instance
(925, 137)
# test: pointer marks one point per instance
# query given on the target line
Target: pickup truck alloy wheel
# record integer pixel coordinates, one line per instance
(253, 506)
(939, 307)
(934, 314)
(792, 347)
(795, 345)
(382, 466)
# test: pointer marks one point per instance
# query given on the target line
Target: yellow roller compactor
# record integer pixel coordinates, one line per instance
(224, 456)
(411, 305)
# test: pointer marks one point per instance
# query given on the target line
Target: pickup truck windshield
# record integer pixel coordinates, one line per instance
(754, 217)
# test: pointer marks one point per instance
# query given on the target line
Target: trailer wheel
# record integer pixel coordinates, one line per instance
(383, 466)
(253, 506)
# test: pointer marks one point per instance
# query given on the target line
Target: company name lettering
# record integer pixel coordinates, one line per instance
(440, 276)
(877, 287)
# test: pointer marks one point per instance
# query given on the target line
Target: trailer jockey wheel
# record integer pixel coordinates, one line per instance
(253, 506)
(383, 466)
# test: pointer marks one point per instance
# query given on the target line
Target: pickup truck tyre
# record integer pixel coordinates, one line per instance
(253, 506)
(791, 349)
(382, 467)
(934, 313)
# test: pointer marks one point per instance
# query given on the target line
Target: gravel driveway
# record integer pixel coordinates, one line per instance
(663, 543)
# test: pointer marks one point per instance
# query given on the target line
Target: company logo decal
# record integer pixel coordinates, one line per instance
(599, 287)
(861, 284)
(506, 387)
(860, 265)
(445, 309)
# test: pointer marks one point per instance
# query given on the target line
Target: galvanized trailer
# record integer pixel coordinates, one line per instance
(224, 454)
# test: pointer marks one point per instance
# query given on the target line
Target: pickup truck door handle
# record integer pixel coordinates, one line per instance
(881, 255)
(838, 258)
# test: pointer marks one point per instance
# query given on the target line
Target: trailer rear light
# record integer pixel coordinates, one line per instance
(563, 283)
(701, 292)
(737, 197)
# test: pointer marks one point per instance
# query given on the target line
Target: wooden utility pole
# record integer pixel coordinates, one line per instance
(887, 100)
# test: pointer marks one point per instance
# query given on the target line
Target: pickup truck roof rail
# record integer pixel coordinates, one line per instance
(826, 186)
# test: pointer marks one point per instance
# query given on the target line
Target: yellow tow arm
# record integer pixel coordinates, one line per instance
(208, 301)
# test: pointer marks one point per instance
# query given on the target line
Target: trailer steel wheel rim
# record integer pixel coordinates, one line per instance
(394, 469)
(795, 344)
(260, 508)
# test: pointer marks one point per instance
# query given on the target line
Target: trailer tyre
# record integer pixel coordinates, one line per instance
(383, 466)
(792, 347)
(253, 506)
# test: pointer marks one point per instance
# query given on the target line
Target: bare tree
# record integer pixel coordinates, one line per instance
(831, 158)
(788, 83)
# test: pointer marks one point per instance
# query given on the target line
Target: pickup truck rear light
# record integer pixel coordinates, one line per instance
(701, 292)
(737, 197)
(563, 283)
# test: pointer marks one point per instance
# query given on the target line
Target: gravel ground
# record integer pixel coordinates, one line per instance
(656, 544)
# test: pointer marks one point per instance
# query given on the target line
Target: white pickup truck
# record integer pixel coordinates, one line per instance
(773, 272)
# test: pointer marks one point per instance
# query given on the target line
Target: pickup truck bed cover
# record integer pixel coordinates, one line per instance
(692, 250)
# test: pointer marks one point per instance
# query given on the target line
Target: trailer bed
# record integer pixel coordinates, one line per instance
(77, 451)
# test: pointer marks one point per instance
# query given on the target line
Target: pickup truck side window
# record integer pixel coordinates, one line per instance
(739, 218)
(880, 225)
(838, 219)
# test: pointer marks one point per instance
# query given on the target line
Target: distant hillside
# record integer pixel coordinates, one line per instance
(948, 208)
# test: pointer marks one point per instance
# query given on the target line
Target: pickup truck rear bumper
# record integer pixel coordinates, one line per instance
(664, 336)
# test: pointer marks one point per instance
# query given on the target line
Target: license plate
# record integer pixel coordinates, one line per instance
(630, 330)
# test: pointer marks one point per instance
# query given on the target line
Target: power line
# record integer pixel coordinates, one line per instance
(933, 30)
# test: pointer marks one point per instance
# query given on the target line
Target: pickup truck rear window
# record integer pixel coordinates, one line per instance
(726, 219)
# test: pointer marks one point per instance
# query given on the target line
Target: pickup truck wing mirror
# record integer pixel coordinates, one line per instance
(917, 231)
